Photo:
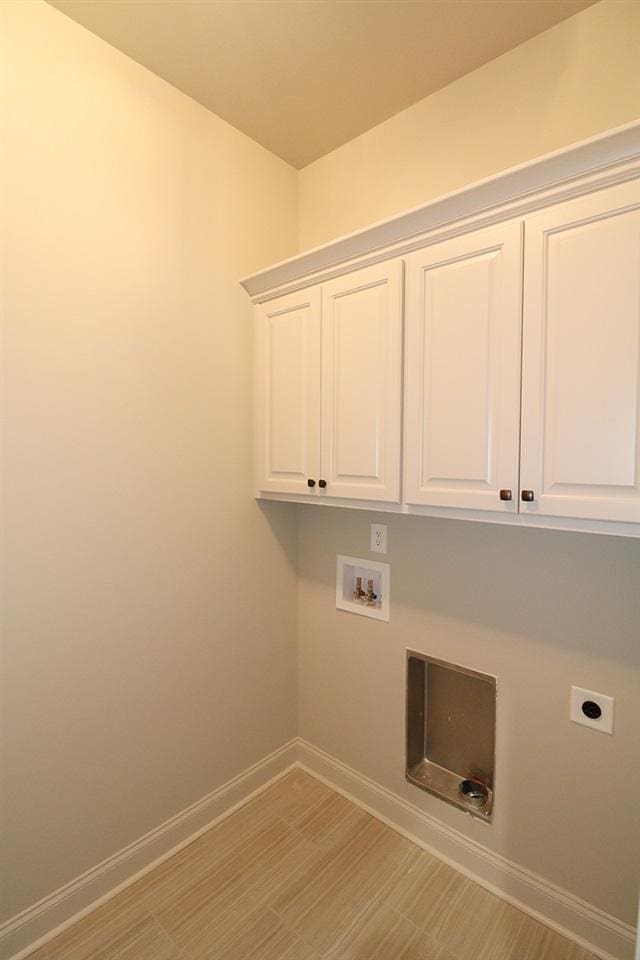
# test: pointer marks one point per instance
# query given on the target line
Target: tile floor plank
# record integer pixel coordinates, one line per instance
(331, 822)
(323, 901)
(239, 831)
(428, 949)
(481, 926)
(379, 933)
(110, 933)
(195, 909)
(427, 891)
(293, 795)
(152, 943)
(263, 936)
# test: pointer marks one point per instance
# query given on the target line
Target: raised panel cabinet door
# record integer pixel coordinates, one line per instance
(362, 383)
(287, 399)
(462, 369)
(581, 380)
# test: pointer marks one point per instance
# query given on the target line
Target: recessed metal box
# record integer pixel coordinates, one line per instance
(451, 722)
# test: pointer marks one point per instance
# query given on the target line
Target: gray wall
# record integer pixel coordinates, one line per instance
(539, 609)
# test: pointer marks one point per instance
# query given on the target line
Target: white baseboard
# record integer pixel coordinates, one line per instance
(27, 931)
(593, 929)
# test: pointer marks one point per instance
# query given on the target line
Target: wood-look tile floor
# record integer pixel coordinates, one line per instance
(300, 873)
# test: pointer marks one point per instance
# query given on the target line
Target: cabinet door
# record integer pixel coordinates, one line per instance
(287, 400)
(581, 383)
(462, 400)
(362, 383)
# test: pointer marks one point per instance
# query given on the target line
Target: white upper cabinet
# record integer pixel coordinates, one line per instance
(463, 345)
(328, 388)
(287, 398)
(513, 311)
(581, 353)
(362, 383)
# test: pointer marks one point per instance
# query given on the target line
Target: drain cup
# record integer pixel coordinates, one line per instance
(474, 792)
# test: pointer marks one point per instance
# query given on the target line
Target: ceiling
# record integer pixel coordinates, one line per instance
(305, 76)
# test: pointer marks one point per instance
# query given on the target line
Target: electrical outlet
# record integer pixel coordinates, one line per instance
(378, 538)
(594, 710)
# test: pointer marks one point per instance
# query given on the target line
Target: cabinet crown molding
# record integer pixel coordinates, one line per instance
(583, 167)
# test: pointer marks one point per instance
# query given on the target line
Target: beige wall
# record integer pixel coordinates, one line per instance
(149, 603)
(578, 79)
(541, 610)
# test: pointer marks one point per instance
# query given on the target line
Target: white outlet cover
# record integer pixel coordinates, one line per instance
(378, 538)
(580, 696)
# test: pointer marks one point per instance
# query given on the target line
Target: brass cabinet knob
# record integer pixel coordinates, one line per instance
(322, 483)
(527, 496)
(506, 495)
(311, 483)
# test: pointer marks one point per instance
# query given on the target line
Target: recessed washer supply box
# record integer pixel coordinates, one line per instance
(363, 587)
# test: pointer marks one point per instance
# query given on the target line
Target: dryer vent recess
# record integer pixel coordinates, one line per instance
(451, 726)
